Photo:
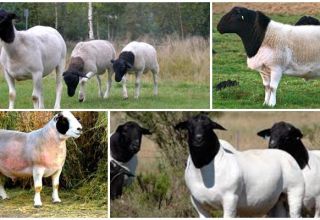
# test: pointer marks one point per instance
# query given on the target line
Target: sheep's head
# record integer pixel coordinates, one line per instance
(129, 137)
(281, 135)
(6, 28)
(203, 142)
(307, 20)
(285, 136)
(199, 129)
(120, 68)
(68, 125)
(72, 78)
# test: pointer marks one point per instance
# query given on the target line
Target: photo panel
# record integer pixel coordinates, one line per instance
(265, 55)
(105, 55)
(53, 164)
(187, 164)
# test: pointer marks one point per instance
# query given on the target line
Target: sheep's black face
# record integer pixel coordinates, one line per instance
(71, 78)
(131, 135)
(120, 68)
(199, 129)
(282, 135)
(6, 26)
(237, 20)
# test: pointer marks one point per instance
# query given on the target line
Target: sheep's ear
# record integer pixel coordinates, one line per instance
(297, 133)
(128, 65)
(215, 125)
(265, 133)
(181, 125)
(119, 128)
(145, 131)
(12, 16)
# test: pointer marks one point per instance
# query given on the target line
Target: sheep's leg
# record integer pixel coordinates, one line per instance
(109, 82)
(37, 97)
(124, 87)
(138, 84)
(266, 83)
(59, 70)
(202, 213)
(295, 200)
(83, 81)
(55, 186)
(317, 208)
(274, 82)
(100, 94)
(230, 206)
(37, 179)
(3, 193)
(12, 89)
(155, 82)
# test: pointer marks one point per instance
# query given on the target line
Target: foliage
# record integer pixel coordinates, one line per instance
(117, 20)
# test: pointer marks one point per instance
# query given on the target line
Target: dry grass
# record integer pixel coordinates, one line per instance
(311, 8)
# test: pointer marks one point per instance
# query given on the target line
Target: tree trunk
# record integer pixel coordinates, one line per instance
(90, 23)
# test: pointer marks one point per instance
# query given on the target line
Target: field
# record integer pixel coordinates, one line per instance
(183, 82)
(159, 189)
(230, 62)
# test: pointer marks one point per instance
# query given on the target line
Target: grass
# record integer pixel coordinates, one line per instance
(20, 204)
(230, 62)
(183, 82)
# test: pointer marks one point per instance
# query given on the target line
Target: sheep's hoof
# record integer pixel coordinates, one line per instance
(5, 198)
(81, 100)
(125, 98)
(37, 206)
(56, 202)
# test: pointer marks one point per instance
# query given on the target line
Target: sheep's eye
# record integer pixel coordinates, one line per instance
(78, 118)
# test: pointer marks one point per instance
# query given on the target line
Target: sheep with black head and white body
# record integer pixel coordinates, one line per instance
(247, 183)
(40, 153)
(31, 54)
(286, 137)
(88, 59)
(137, 57)
(274, 48)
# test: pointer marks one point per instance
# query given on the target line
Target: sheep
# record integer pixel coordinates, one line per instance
(125, 144)
(138, 57)
(31, 54)
(118, 175)
(274, 48)
(87, 60)
(285, 136)
(40, 153)
(307, 20)
(245, 183)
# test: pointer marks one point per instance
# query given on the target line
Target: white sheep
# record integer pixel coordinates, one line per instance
(31, 54)
(40, 153)
(245, 183)
(274, 48)
(87, 60)
(137, 57)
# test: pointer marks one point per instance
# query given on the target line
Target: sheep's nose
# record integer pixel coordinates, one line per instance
(199, 137)
(79, 129)
(136, 142)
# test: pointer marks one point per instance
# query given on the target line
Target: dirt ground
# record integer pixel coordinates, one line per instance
(20, 205)
(310, 8)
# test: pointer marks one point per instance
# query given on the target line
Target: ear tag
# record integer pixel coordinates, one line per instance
(242, 17)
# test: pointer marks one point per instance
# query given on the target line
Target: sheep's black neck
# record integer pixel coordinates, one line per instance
(117, 147)
(7, 31)
(76, 64)
(127, 56)
(204, 154)
(253, 37)
(299, 152)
